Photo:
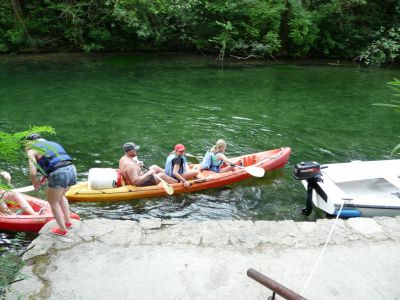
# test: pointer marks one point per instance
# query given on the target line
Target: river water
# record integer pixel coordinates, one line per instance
(96, 103)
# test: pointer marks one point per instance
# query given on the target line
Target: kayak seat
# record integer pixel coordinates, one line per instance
(249, 160)
(245, 161)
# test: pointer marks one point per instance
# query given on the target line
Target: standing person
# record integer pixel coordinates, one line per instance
(215, 157)
(50, 159)
(177, 167)
(15, 197)
(131, 168)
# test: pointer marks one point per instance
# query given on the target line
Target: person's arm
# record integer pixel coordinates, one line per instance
(32, 167)
(3, 206)
(137, 179)
(178, 176)
(221, 156)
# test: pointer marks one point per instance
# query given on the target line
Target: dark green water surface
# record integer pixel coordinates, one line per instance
(322, 112)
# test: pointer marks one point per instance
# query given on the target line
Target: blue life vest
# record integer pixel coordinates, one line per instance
(169, 168)
(53, 154)
(210, 162)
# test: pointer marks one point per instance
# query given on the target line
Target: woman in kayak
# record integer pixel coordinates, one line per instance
(177, 167)
(215, 157)
(14, 198)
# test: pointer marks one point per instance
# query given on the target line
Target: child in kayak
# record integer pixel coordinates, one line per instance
(177, 167)
(215, 157)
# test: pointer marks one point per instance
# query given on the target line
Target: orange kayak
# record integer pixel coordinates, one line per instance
(24, 222)
(268, 160)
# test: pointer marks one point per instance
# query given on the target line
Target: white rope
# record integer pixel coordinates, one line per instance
(322, 251)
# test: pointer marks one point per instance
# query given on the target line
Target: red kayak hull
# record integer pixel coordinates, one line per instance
(31, 223)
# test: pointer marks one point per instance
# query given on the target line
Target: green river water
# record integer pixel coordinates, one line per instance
(96, 103)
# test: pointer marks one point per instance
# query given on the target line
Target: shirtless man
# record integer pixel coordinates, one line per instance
(131, 169)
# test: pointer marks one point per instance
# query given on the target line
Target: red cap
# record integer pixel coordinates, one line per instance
(179, 147)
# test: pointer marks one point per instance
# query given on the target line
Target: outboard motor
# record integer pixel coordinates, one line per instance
(310, 171)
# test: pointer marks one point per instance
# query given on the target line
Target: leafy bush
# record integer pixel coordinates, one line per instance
(385, 49)
(11, 144)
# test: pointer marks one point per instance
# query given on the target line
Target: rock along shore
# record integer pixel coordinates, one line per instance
(156, 259)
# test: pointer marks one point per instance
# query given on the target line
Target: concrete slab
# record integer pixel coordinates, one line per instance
(213, 264)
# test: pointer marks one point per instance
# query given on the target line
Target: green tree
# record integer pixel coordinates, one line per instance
(363, 29)
(385, 49)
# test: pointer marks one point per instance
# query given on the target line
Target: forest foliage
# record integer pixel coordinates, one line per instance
(364, 30)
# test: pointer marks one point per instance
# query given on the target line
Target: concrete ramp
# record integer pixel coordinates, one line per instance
(155, 259)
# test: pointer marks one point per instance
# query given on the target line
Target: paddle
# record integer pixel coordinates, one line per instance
(258, 171)
(191, 155)
(167, 187)
(253, 170)
(192, 158)
(30, 188)
(24, 189)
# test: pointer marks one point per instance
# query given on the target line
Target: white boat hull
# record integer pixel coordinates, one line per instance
(364, 188)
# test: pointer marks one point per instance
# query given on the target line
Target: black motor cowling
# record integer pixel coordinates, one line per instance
(307, 170)
(310, 171)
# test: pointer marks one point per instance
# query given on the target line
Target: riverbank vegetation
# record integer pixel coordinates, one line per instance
(362, 30)
(12, 149)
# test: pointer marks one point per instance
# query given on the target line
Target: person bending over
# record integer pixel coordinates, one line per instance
(50, 159)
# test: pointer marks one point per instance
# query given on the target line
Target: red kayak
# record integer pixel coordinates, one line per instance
(20, 221)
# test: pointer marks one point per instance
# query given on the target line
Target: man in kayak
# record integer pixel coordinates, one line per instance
(13, 197)
(50, 159)
(131, 168)
(215, 158)
(177, 167)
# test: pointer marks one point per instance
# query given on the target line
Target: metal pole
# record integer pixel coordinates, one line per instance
(274, 286)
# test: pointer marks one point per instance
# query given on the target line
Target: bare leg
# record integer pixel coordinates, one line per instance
(4, 210)
(65, 208)
(190, 174)
(22, 202)
(226, 169)
(55, 197)
(157, 169)
(166, 178)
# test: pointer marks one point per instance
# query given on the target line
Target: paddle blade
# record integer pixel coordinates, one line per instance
(24, 189)
(255, 171)
(169, 189)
